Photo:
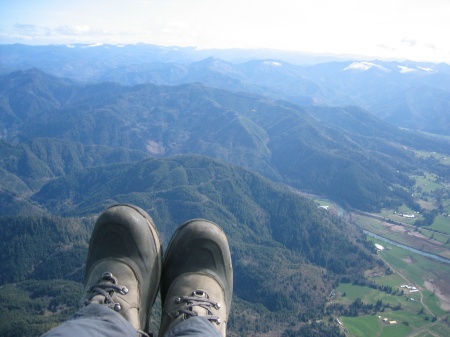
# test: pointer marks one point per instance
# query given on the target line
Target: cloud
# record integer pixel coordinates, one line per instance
(26, 28)
(431, 46)
(409, 42)
(57, 34)
(66, 31)
(81, 33)
(24, 32)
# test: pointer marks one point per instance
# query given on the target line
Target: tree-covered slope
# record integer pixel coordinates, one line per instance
(287, 253)
(309, 148)
(179, 188)
(42, 159)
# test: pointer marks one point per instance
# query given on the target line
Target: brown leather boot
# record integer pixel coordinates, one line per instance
(197, 276)
(123, 266)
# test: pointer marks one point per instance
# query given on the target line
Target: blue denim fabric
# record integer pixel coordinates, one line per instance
(96, 320)
(194, 327)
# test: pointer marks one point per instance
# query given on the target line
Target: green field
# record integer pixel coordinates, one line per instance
(363, 326)
(442, 238)
(441, 224)
(443, 158)
(390, 280)
(414, 318)
(397, 330)
(427, 183)
(414, 266)
(367, 295)
(372, 326)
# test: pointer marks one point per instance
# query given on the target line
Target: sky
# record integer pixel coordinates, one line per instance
(387, 29)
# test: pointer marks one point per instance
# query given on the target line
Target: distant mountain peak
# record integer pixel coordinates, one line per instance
(363, 66)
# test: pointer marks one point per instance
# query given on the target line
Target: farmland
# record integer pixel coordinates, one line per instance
(411, 312)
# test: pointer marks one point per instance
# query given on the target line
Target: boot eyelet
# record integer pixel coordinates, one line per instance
(107, 275)
(117, 307)
(124, 291)
(199, 293)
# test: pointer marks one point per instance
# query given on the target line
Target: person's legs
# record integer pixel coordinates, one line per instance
(197, 282)
(197, 326)
(94, 320)
(123, 271)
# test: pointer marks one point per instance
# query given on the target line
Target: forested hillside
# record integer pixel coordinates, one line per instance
(272, 231)
(359, 164)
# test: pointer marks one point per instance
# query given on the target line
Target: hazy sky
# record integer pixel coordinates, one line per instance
(410, 29)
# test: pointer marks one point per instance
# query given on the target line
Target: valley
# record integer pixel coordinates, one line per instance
(415, 312)
(415, 286)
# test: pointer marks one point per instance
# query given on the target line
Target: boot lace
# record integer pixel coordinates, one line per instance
(198, 298)
(106, 287)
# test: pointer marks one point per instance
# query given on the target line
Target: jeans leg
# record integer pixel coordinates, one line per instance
(197, 326)
(94, 320)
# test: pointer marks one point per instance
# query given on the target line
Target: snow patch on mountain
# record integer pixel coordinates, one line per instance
(428, 70)
(273, 63)
(93, 45)
(405, 70)
(363, 66)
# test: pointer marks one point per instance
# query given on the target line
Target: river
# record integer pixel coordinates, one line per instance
(414, 250)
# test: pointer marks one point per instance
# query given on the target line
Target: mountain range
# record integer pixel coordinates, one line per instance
(84, 127)
(344, 153)
(406, 94)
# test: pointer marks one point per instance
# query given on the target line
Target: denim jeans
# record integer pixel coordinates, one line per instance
(96, 320)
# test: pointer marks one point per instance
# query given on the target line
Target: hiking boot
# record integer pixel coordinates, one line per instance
(123, 266)
(197, 276)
